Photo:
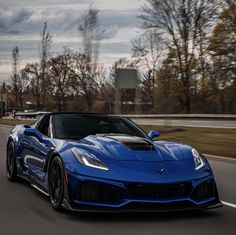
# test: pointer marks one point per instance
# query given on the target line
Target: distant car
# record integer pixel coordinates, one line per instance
(92, 162)
(28, 114)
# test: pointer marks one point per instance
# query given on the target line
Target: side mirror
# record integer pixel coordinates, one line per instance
(153, 134)
(35, 133)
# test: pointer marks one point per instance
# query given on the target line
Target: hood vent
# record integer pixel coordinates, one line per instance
(133, 143)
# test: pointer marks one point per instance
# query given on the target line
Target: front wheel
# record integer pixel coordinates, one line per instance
(56, 184)
(11, 167)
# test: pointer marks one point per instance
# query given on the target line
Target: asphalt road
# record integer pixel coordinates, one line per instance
(229, 124)
(23, 210)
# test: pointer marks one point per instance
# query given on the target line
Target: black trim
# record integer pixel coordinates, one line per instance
(143, 207)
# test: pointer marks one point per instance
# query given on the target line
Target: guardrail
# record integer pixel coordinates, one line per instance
(32, 115)
(157, 116)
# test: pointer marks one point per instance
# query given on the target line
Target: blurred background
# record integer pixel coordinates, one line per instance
(65, 57)
(79, 56)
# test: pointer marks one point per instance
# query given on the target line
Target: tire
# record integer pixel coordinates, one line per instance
(11, 168)
(56, 184)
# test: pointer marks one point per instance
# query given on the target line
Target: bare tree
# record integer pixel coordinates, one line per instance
(44, 50)
(86, 68)
(148, 49)
(91, 35)
(106, 88)
(85, 79)
(32, 73)
(15, 77)
(181, 23)
(60, 71)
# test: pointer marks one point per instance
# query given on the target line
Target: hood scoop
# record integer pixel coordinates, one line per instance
(133, 143)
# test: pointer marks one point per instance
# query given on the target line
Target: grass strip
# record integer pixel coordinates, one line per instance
(220, 142)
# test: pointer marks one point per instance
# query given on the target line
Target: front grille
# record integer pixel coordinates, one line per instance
(89, 191)
(153, 191)
(204, 190)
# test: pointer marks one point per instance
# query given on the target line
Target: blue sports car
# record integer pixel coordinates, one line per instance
(93, 162)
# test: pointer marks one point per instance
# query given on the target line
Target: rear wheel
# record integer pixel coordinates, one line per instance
(11, 167)
(56, 184)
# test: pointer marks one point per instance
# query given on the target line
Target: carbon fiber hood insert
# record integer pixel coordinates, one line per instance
(133, 143)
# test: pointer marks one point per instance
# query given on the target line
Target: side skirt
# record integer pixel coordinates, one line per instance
(39, 189)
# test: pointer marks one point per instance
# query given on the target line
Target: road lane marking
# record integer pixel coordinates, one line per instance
(229, 204)
(219, 157)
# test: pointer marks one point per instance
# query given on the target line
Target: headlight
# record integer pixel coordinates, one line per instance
(199, 163)
(88, 159)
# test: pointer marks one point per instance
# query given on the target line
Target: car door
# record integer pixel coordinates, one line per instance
(35, 151)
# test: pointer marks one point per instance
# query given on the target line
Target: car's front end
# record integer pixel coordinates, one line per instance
(168, 178)
(105, 195)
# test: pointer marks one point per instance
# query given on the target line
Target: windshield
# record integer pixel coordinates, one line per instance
(77, 126)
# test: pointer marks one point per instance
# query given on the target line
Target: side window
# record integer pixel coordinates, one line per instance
(43, 126)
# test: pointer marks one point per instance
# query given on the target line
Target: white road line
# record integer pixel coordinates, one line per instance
(229, 204)
(219, 157)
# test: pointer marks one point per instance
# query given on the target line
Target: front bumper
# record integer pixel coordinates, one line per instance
(92, 194)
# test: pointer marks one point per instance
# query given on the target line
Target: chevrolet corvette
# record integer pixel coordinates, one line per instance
(94, 162)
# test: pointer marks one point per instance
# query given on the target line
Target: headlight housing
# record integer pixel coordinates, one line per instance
(88, 159)
(198, 161)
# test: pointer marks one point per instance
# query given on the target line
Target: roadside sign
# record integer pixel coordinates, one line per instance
(127, 78)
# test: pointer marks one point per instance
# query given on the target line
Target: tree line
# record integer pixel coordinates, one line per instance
(186, 56)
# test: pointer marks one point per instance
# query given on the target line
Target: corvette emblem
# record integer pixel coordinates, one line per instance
(160, 170)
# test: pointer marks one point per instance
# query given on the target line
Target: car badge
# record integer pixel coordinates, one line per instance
(160, 170)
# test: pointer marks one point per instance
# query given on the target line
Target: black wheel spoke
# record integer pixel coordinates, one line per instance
(11, 163)
(56, 184)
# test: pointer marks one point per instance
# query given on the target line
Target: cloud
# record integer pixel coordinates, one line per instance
(22, 21)
(108, 33)
(20, 16)
(107, 18)
(9, 21)
(42, 3)
(121, 19)
(101, 4)
(62, 20)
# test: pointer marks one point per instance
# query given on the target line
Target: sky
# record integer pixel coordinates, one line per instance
(21, 22)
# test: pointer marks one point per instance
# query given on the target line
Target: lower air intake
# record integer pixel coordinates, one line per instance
(89, 191)
(204, 190)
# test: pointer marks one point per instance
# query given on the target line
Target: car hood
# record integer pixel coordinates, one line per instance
(135, 159)
(129, 148)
